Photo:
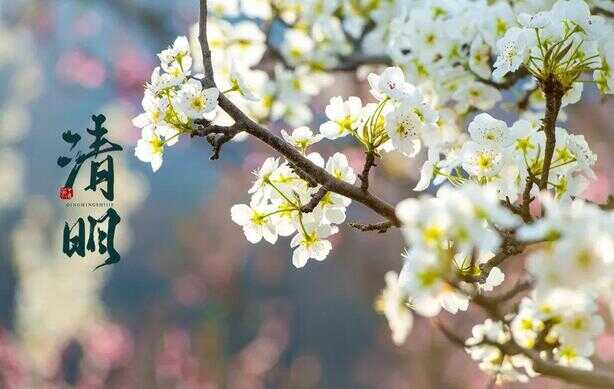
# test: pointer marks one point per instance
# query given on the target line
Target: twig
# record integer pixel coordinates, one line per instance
(554, 91)
(352, 62)
(378, 227)
(304, 176)
(510, 80)
(216, 135)
(364, 176)
(525, 207)
(519, 287)
(601, 11)
(448, 333)
(315, 200)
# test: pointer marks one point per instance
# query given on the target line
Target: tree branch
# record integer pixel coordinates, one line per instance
(554, 91)
(378, 227)
(315, 200)
(509, 81)
(316, 175)
(364, 176)
(352, 62)
(244, 123)
(448, 333)
(601, 11)
(519, 287)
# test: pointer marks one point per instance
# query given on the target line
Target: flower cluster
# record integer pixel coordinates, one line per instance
(444, 49)
(571, 271)
(173, 99)
(449, 58)
(563, 42)
(402, 119)
(394, 304)
(312, 41)
(485, 346)
(559, 318)
(281, 204)
(449, 236)
(508, 157)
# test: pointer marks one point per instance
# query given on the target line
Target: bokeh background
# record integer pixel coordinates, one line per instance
(192, 304)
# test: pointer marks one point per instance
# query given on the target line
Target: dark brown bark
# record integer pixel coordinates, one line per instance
(554, 91)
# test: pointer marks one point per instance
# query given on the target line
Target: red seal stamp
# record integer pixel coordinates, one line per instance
(65, 192)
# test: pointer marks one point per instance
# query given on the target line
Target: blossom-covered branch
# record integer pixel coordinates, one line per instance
(433, 71)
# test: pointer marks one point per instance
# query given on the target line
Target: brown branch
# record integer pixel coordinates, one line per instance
(509, 81)
(601, 11)
(519, 287)
(364, 176)
(315, 200)
(608, 205)
(317, 173)
(304, 176)
(448, 333)
(554, 91)
(216, 135)
(378, 227)
(352, 62)
(525, 207)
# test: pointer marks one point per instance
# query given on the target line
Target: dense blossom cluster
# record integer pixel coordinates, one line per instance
(566, 41)
(509, 156)
(559, 318)
(279, 201)
(449, 60)
(452, 233)
(173, 99)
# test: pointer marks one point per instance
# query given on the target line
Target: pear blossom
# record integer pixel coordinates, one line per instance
(195, 102)
(150, 148)
(482, 161)
(246, 41)
(391, 83)
(486, 130)
(404, 127)
(572, 356)
(297, 46)
(393, 303)
(260, 187)
(238, 84)
(343, 117)
(256, 221)
(301, 138)
(449, 60)
(155, 109)
(177, 60)
(512, 49)
(338, 166)
(311, 242)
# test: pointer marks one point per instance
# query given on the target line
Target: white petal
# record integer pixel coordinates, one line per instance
(300, 257)
(141, 120)
(240, 214)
